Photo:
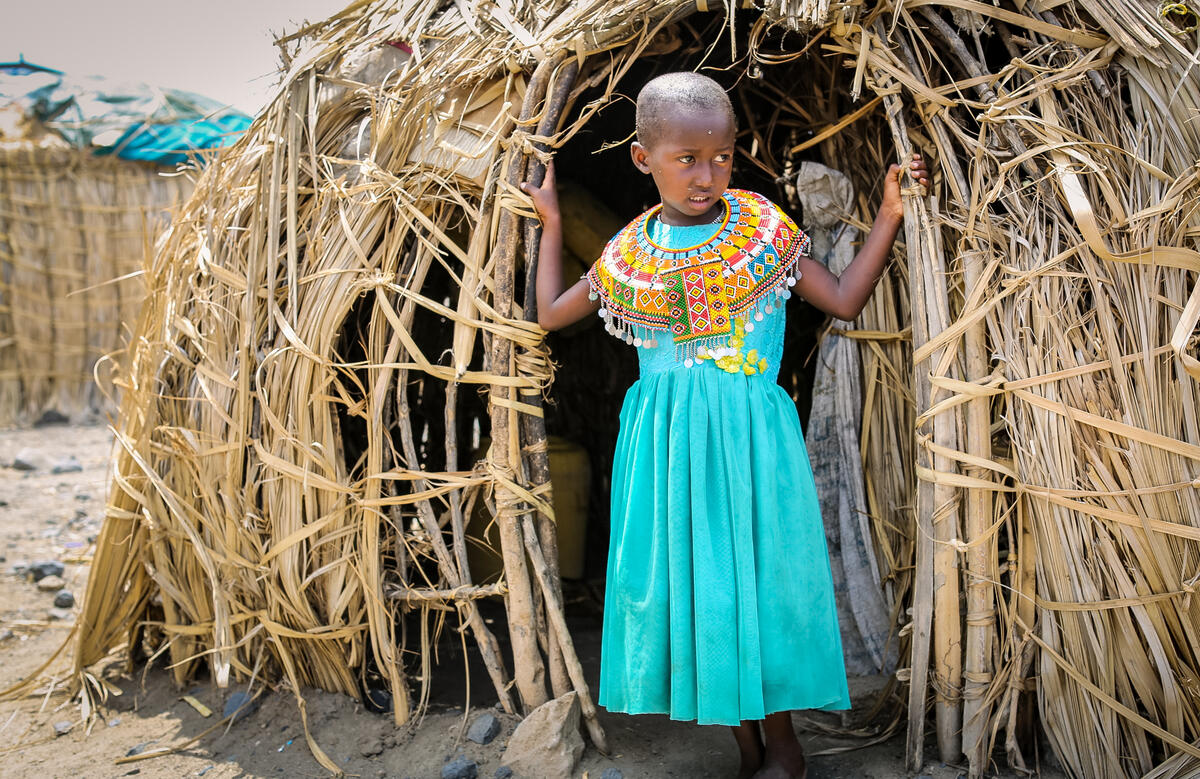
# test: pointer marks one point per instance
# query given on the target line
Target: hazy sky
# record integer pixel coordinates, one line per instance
(219, 48)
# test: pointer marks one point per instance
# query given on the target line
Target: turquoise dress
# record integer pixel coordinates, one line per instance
(719, 602)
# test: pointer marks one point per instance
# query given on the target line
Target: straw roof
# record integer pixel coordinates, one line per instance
(292, 488)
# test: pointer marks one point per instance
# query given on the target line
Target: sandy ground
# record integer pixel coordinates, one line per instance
(47, 516)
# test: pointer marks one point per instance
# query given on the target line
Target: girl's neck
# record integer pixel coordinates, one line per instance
(712, 216)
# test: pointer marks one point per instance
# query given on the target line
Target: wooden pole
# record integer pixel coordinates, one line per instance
(529, 670)
(935, 583)
(981, 569)
(533, 427)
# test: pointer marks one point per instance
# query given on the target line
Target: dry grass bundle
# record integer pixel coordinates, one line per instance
(294, 487)
(73, 229)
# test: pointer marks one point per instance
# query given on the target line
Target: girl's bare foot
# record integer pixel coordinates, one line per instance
(750, 745)
(783, 757)
(783, 766)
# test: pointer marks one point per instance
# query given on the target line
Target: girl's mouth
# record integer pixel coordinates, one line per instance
(699, 200)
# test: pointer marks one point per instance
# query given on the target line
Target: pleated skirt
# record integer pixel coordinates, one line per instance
(719, 602)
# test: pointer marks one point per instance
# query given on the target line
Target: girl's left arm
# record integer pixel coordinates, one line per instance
(845, 296)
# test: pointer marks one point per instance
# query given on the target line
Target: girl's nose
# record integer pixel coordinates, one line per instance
(703, 175)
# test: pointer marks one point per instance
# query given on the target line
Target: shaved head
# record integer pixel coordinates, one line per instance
(673, 94)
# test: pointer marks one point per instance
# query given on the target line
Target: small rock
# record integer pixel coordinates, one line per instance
(64, 599)
(138, 749)
(67, 465)
(26, 460)
(63, 728)
(112, 723)
(612, 773)
(59, 614)
(503, 772)
(484, 728)
(460, 768)
(377, 700)
(50, 583)
(547, 743)
(5, 634)
(239, 706)
(40, 570)
(19, 567)
(370, 746)
(51, 417)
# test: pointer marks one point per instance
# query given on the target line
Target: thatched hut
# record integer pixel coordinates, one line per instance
(341, 313)
(86, 180)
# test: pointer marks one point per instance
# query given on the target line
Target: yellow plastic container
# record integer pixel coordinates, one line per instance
(571, 475)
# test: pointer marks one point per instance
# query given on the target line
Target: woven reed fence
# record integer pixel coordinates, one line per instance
(341, 307)
(75, 229)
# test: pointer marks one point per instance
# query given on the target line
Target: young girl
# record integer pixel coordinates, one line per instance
(719, 600)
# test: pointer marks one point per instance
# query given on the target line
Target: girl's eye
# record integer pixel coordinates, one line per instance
(723, 158)
(687, 159)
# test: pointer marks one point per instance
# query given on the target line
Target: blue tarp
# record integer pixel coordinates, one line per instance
(133, 121)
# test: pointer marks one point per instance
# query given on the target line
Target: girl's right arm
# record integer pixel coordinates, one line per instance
(556, 309)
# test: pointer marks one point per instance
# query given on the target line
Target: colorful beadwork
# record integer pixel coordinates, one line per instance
(696, 293)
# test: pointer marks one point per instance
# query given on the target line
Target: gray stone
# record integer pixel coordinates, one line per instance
(612, 773)
(484, 728)
(60, 614)
(50, 583)
(242, 701)
(503, 772)
(370, 746)
(19, 567)
(67, 465)
(64, 599)
(63, 727)
(460, 768)
(40, 570)
(547, 743)
(26, 460)
(51, 417)
(5, 634)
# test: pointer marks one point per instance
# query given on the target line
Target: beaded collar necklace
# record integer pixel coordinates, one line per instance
(694, 293)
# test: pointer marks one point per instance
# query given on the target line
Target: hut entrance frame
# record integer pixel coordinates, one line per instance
(1028, 377)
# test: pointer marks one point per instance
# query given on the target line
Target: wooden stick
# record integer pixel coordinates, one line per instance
(533, 427)
(464, 593)
(980, 606)
(981, 567)
(529, 669)
(935, 586)
(559, 622)
(975, 70)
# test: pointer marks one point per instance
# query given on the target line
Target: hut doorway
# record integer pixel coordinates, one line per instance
(783, 95)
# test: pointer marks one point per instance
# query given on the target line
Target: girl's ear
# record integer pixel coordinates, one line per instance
(641, 156)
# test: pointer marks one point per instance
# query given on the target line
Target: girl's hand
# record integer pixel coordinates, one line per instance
(545, 197)
(893, 204)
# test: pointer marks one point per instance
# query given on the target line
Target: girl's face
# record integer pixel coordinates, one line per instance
(691, 161)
